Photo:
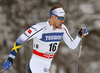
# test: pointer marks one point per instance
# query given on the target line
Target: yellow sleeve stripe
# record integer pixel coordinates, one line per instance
(15, 47)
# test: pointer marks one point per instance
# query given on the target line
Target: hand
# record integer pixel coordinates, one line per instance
(83, 32)
(8, 64)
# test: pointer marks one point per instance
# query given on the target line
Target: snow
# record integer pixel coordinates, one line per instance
(53, 68)
(61, 70)
(87, 8)
(2, 18)
(53, 1)
(94, 67)
(97, 24)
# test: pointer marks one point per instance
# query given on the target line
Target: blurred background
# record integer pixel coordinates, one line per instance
(18, 15)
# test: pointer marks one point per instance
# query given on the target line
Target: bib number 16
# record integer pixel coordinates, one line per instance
(53, 47)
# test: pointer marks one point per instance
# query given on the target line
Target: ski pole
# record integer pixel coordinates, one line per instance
(80, 51)
(79, 55)
(2, 70)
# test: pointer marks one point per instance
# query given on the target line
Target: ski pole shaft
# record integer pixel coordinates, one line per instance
(79, 55)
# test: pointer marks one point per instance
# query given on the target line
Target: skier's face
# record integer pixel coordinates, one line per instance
(58, 21)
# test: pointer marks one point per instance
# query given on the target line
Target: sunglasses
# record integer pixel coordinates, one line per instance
(61, 18)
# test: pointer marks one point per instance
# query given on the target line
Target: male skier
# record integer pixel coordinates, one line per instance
(45, 35)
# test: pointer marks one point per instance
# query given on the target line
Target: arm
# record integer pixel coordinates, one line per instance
(31, 33)
(73, 43)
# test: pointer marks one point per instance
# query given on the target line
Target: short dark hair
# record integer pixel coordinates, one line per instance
(55, 6)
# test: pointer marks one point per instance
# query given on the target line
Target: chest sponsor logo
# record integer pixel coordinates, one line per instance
(51, 37)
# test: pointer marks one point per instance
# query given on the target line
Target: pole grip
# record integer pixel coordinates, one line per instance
(83, 32)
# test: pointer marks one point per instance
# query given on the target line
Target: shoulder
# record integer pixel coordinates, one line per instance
(64, 27)
(39, 25)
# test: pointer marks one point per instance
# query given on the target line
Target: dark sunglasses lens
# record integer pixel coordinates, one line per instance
(61, 18)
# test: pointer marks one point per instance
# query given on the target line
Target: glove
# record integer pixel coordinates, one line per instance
(83, 32)
(8, 63)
